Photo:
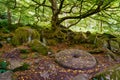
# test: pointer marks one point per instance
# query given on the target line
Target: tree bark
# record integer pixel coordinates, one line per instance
(9, 16)
(54, 20)
(19, 19)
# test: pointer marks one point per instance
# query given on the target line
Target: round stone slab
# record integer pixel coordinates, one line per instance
(75, 59)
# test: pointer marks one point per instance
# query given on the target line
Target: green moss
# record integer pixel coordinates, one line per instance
(24, 51)
(24, 34)
(24, 56)
(91, 39)
(35, 55)
(78, 37)
(109, 74)
(37, 46)
(24, 67)
(52, 42)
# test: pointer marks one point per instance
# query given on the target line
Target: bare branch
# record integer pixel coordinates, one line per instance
(74, 23)
(41, 4)
(94, 11)
(60, 7)
(88, 13)
(81, 7)
(15, 3)
(69, 10)
(54, 6)
(44, 2)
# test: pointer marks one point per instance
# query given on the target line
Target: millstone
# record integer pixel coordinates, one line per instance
(75, 59)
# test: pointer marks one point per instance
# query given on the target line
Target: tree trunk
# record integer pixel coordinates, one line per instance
(55, 19)
(55, 22)
(101, 26)
(9, 16)
(19, 19)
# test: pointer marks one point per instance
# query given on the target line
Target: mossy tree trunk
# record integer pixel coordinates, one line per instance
(55, 11)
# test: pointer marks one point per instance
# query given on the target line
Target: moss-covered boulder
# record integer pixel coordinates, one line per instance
(115, 46)
(76, 37)
(52, 41)
(24, 34)
(37, 46)
(91, 39)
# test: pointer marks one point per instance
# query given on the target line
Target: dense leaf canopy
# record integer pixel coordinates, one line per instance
(45, 13)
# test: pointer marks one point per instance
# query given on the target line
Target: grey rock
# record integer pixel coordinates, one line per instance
(36, 61)
(81, 77)
(45, 75)
(14, 63)
(6, 76)
(75, 59)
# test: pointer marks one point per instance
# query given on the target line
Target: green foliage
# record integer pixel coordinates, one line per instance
(5, 30)
(23, 12)
(3, 23)
(2, 70)
(44, 25)
(24, 67)
(24, 34)
(37, 46)
(13, 27)
(3, 64)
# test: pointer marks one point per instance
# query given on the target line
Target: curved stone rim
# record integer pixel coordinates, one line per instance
(75, 59)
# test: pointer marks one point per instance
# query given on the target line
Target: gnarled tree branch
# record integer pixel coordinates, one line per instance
(90, 12)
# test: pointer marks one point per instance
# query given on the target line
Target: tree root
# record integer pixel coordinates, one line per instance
(111, 55)
(96, 51)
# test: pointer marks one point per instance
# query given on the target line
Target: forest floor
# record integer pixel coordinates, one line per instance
(45, 67)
